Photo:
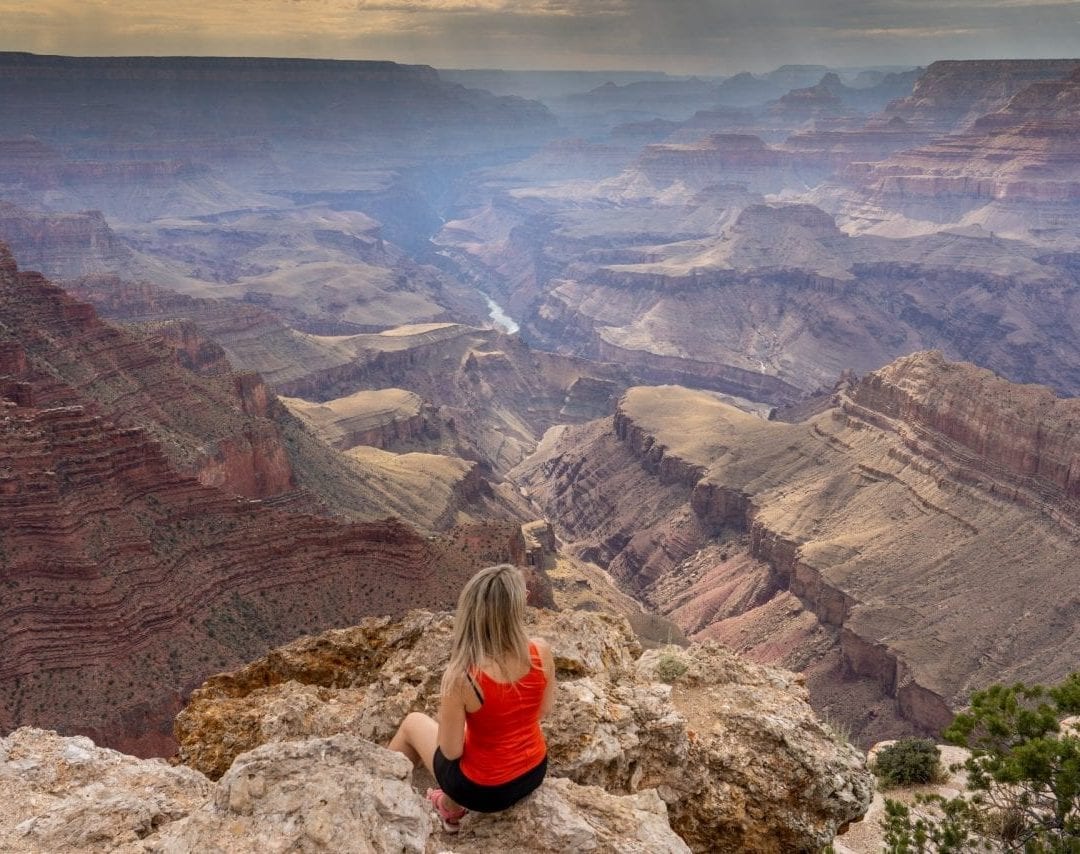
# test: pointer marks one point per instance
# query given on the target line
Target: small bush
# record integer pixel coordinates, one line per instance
(670, 667)
(1023, 778)
(908, 761)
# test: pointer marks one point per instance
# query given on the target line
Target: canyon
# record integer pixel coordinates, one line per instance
(910, 543)
(812, 245)
(158, 518)
(792, 375)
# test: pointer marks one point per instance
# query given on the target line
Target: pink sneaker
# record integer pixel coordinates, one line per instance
(451, 819)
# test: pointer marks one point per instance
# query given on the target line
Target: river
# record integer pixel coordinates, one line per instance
(503, 322)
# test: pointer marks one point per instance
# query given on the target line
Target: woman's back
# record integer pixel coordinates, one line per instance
(503, 738)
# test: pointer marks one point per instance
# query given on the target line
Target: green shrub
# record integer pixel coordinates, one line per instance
(670, 667)
(1023, 779)
(908, 761)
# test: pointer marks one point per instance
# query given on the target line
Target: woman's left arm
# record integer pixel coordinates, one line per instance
(548, 660)
(452, 723)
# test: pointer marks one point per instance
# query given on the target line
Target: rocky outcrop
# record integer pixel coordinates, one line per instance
(883, 536)
(62, 245)
(193, 350)
(953, 93)
(382, 418)
(67, 794)
(339, 793)
(731, 748)
(1024, 437)
(1015, 170)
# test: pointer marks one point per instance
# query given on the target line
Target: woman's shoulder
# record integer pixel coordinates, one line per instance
(542, 645)
(542, 650)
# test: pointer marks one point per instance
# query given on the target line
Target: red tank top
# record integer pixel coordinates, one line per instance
(503, 739)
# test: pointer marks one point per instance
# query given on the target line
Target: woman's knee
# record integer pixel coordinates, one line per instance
(414, 719)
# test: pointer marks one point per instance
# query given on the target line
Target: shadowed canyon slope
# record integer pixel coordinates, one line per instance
(920, 536)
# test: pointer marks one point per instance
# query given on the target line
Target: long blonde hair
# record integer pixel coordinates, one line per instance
(489, 624)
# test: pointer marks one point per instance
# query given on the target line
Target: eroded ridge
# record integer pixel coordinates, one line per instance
(926, 522)
(126, 579)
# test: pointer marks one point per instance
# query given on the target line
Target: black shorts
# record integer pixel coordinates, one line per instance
(479, 798)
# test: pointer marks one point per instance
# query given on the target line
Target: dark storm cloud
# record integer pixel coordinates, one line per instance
(678, 35)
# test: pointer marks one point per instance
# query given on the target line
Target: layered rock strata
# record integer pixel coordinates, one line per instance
(1015, 170)
(221, 429)
(950, 94)
(731, 748)
(120, 566)
(919, 535)
(64, 245)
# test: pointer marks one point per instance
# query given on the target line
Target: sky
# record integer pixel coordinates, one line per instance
(677, 36)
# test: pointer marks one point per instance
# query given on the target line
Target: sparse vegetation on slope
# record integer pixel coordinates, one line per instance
(1023, 778)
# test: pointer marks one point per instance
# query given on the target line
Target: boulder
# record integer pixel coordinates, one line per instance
(67, 794)
(319, 794)
(732, 748)
(340, 794)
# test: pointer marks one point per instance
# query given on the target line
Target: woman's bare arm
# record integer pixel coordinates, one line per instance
(452, 723)
(546, 658)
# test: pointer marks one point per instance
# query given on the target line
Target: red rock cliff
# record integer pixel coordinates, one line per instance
(1022, 434)
(127, 581)
(219, 428)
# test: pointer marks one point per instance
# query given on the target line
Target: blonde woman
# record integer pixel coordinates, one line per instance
(486, 751)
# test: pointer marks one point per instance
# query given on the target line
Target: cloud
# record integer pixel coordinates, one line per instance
(717, 36)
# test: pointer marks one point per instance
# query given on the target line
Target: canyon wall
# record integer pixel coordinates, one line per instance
(219, 428)
(926, 523)
(128, 574)
(1013, 170)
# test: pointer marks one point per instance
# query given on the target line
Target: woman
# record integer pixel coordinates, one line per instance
(487, 751)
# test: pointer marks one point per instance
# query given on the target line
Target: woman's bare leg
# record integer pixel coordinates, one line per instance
(417, 738)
